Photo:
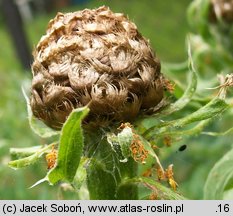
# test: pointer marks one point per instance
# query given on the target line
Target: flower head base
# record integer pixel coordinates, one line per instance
(96, 58)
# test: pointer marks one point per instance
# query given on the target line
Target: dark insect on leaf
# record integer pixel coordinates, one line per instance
(182, 148)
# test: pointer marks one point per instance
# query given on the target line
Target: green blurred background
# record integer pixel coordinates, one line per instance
(164, 23)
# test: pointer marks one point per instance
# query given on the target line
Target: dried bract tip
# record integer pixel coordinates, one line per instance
(170, 176)
(221, 10)
(96, 58)
(139, 153)
(51, 158)
(226, 82)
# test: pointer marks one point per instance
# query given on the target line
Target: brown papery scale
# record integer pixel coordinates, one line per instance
(222, 9)
(96, 58)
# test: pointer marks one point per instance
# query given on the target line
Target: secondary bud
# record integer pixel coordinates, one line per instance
(221, 10)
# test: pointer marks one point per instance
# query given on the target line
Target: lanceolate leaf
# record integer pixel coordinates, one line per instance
(224, 133)
(17, 153)
(189, 92)
(186, 97)
(163, 192)
(70, 148)
(198, 16)
(215, 107)
(197, 129)
(219, 177)
(26, 161)
(81, 174)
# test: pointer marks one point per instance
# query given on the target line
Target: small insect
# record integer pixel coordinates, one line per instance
(51, 158)
(182, 148)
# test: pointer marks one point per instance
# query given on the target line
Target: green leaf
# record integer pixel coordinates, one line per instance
(189, 92)
(228, 194)
(151, 151)
(210, 110)
(215, 107)
(104, 177)
(101, 181)
(81, 174)
(224, 133)
(125, 138)
(112, 139)
(37, 126)
(102, 171)
(218, 178)
(17, 153)
(198, 13)
(175, 68)
(105, 171)
(26, 161)
(70, 147)
(164, 192)
(197, 129)
(121, 142)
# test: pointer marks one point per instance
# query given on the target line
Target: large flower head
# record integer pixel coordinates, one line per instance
(96, 58)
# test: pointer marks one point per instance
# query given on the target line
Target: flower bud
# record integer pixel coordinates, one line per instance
(221, 10)
(213, 20)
